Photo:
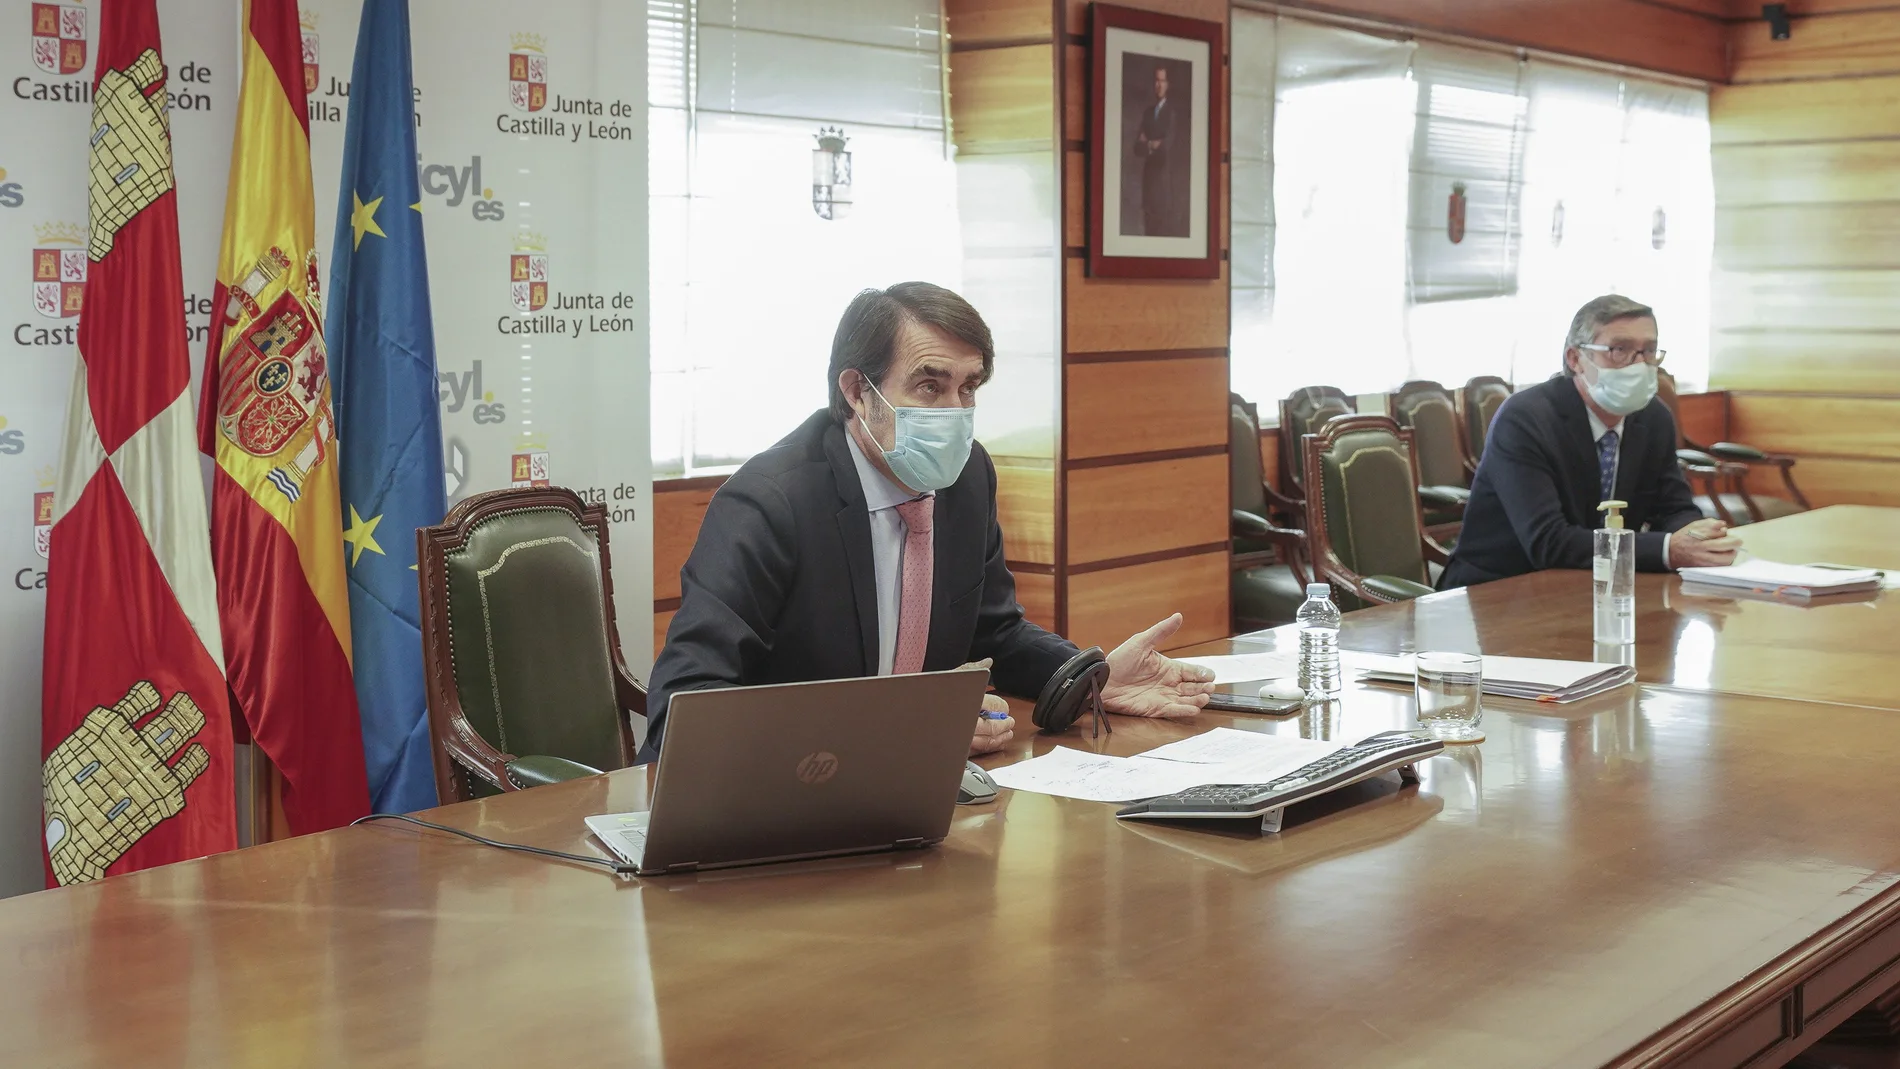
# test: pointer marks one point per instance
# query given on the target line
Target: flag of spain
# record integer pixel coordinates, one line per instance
(266, 417)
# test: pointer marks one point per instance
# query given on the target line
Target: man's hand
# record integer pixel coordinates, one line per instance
(993, 735)
(1142, 682)
(1702, 544)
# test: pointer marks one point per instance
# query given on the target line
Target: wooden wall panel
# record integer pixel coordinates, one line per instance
(676, 518)
(1210, 10)
(1841, 426)
(1141, 406)
(1854, 42)
(1827, 236)
(1131, 509)
(1003, 99)
(1026, 510)
(1813, 361)
(1685, 37)
(1036, 593)
(1134, 509)
(981, 21)
(1805, 111)
(1110, 314)
(1802, 300)
(1106, 607)
(1704, 417)
(1828, 172)
(1807, 288)
(1838, 481)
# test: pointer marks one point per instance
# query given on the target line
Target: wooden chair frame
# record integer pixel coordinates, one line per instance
(460, 750)
(1326, 562)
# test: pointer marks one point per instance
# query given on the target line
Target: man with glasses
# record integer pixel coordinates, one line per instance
(1595, 433)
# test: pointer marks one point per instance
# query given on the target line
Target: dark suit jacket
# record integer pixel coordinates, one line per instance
(1534, 498)
(780, 586)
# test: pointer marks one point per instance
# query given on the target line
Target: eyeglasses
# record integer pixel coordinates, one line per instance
(1624, 356)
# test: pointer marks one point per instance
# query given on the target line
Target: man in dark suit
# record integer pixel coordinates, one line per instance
(1595, 433)
(865, 542)
(1154, 143)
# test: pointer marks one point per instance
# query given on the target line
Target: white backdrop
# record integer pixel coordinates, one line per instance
(543, 380)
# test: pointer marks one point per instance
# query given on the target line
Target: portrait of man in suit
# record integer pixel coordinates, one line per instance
(1154, 159)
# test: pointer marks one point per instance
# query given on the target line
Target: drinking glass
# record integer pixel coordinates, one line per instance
(1449, 688)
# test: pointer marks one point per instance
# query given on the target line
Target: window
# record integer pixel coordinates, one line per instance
(1420, 210)
(747, 279)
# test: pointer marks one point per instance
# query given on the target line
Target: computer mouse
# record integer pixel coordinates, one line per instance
(977, 786)
(1282, 690)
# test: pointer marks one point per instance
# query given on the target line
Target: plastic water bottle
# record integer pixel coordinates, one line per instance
(1318, 620)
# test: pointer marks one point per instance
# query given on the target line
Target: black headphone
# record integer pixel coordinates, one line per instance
(1074, 691)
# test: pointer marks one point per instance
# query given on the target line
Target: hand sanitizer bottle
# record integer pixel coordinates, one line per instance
(1613, 578)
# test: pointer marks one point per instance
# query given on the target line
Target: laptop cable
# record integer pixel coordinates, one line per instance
(617, 868)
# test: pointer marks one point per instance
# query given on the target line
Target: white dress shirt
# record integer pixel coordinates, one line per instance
(888, 531)
(1598, 429)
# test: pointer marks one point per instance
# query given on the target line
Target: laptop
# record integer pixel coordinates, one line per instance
(749, 775)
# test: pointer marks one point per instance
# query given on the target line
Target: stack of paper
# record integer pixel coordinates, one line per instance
(1796, 580)
(1508, 677)
(1242, 667)
(1223, 755)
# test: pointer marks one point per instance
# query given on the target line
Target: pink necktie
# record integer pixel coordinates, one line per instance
(913, 614)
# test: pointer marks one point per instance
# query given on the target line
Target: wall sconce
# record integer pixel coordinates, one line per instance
(831, 174)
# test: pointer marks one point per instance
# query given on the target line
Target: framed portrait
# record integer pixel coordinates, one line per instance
(1154, 150)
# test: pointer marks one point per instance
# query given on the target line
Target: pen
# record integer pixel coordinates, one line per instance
(987, 715)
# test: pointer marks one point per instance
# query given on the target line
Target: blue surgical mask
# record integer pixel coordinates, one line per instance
(931, 446)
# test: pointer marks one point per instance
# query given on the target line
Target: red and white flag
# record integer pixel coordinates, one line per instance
(136, 722)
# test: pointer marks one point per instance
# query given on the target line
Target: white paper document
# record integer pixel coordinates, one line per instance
(1218, 756)
(1533, 678)
(1070, 773)
(1226, 746)
(1797, 579)
(1242, 667)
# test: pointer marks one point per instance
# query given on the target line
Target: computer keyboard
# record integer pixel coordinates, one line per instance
(1362, 760)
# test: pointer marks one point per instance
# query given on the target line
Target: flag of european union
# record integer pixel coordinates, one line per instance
(382, 372)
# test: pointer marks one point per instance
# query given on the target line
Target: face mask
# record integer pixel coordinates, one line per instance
(932, 444)
(1623, 390)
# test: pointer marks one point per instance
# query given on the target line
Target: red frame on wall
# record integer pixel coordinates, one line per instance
(1102, 18)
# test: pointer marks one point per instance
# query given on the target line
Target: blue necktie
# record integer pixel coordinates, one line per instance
(1606, 464)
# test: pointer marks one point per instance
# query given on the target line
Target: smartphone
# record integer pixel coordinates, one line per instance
(1222, 701)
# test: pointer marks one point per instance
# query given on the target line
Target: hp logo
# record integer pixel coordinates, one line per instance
(817, 767)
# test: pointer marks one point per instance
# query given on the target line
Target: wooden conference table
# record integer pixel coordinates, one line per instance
(1675, 875)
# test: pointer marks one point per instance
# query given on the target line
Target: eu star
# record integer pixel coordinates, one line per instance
(363, 221)
(362, 535)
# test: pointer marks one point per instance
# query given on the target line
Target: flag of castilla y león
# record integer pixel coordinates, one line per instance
(267, 418)
(136, 729)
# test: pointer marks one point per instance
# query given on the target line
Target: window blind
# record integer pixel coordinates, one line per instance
(748, 280)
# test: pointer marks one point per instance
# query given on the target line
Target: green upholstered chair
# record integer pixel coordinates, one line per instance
(525, 679)
(1269, 572)
(1725, 467)
(1481, 398)
(1301, 412)
(1367, 535)
(1428, 410)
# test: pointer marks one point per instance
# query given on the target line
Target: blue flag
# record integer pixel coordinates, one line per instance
(389, 434)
